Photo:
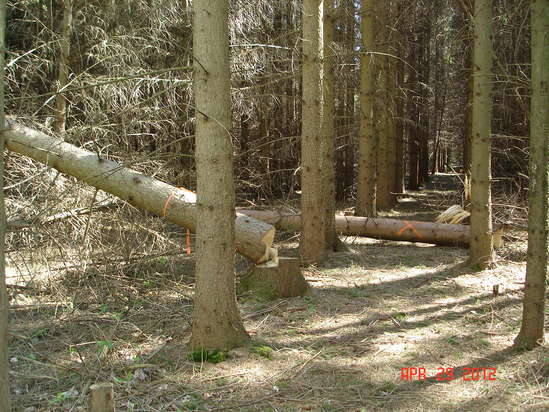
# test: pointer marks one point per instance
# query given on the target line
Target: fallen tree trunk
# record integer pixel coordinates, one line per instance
(254, 238)
(380, 228)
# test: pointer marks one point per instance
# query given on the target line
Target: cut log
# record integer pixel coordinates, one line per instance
(379, 228)
(254, 238)
(101, 398)
(268, 281)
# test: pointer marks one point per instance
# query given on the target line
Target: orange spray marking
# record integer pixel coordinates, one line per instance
(408, 225)
(188, 234)
(188, 242)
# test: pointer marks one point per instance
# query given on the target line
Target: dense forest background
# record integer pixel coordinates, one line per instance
(130, 92)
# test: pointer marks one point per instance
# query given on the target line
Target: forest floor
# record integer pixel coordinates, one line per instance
(372, 311)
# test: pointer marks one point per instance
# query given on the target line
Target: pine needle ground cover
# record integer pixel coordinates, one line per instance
(374, 313)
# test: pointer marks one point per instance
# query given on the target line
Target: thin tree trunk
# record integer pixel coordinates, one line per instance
(4, 379)
(385, 199)
(367, 162)
(313, 245)
(216, 318)
(63, 77)
(480, 251)
(400, 165)
(466, 130)
(328, 147)
(531, 331)
(349, 89)
(391, 81)
(413, 118)
(424, 120)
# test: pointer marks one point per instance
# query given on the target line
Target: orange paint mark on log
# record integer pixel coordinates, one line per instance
(409, 226)
(165, 210)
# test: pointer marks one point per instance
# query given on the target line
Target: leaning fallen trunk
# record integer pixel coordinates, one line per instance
(380, 228)
(254, 238)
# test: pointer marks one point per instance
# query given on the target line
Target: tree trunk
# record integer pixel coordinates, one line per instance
(348, 8)
(413, 118)
(313, 245)
(400, 165)
(480, 252)
(389, 229)
(468, 127)
(366, 185)
(63, 76)
(4, 379)
(253, 238)
(328, 147)
(424, 119)
(385, 145)
(216, 319)
(531, 331)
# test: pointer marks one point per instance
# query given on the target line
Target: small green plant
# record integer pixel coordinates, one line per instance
(387, 388)
(103, 346)
(104, 308)
(124, 379)
(453, 341)
(213, 356)
(263, 351)
(282, 384)
(60, 397)
(40, 333)
(118, 315)
(484, 342)
(400, 316)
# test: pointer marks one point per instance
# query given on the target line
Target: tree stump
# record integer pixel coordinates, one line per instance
(269, 281)
(101, 398)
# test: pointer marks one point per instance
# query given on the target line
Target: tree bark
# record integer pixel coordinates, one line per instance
(467, 124)
(531, 331)
(348, 9)
(253, 238)
(328, 131)
(385, 199)
(400, 165)
(313, 245)
(413, 114)
(389, 229)
(480, 252)
(63, 75)
(367, 142)
(425, 118)
(216, 319)
(4, 379)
